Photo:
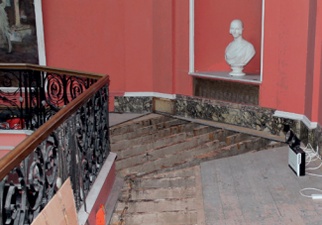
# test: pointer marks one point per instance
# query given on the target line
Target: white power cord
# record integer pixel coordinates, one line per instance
(311, 156)
(310, 190)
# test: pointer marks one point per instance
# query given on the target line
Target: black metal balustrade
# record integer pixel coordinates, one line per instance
(34, 96)
(71, 139)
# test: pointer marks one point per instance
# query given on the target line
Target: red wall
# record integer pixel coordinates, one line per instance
(111, 37)
(132, 41)
(144, 45)
(287, 81)
(9, 140)
(74, 34)
(138, 54)
(317, 83)
(162, 33)
(181, 80)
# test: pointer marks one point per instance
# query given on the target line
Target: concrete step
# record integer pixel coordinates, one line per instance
(251, 144)
(149, 161)
(153, 135)
(137, 149)
(163, 193)
(144, 149)
(162, 205)
(156, 135)
(158, 188)
(181, 154)
(181, 182)
(181, 178)
(147, 130)
(157, 212)
(162, 218)
(164, 198)
(138, 123)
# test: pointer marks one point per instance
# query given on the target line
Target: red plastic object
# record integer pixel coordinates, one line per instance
(16, 123)
(100, 216)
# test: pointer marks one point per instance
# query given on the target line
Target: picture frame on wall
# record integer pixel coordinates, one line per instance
(21, 27)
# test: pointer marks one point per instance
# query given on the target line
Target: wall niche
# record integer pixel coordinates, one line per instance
(209, 36)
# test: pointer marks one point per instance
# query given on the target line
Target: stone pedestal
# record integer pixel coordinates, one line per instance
(237, 70)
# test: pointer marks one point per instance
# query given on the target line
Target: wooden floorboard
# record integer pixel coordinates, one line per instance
(258, 188)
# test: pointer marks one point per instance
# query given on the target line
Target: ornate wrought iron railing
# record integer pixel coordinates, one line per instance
(31, 96)
(69, 113)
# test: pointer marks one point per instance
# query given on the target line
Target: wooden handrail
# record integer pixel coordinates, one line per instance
(22, 66)
(21, 151)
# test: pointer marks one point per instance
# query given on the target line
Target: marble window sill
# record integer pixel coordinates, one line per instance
(248, 78)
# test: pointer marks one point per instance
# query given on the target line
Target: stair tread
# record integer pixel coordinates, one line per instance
(160, 168)
(144, 130)
(153, 136)
(152, 154)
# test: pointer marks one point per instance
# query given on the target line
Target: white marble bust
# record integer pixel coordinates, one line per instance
(239, 52)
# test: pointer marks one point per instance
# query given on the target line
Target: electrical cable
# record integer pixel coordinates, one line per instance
(309, 189)
(312, 156)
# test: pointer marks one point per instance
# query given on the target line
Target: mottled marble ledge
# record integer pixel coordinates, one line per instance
(257, 118)
(246, 116)
(248, 78)
(235, 128)
(133, 104)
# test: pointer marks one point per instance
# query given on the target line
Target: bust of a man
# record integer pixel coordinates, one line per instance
(239, 52)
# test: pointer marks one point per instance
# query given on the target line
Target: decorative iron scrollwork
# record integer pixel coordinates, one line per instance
(35, 96)
(77, 149)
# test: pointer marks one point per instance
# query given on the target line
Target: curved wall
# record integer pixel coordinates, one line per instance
(144, 45)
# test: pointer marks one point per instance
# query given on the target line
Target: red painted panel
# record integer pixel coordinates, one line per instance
(74, 34)
(84, 37)
(317, 84)
(163, 32)
(138, 45)
(182, 82)
(11, 139)
(114, 61)
(285, 56)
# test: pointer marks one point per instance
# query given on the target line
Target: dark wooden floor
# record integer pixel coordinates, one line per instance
(258, 188)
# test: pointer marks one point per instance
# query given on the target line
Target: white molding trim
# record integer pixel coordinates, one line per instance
(149, 94)
(8, 148)
(191, 36)
(11, 89)
(224, 76)
(262, 42)
(26, 132)
(40, 33)
(294, 116)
